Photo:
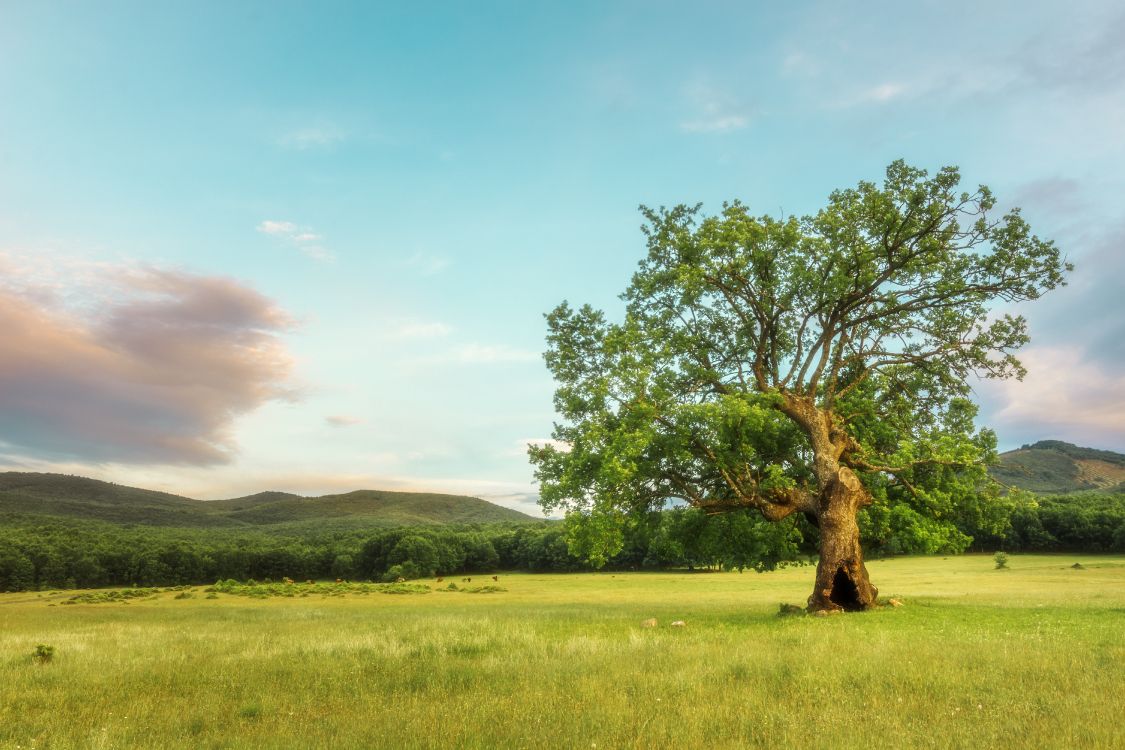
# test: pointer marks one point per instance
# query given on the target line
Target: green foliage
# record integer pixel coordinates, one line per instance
(111, 596)
(1001, 559)
(293, 589)
(43, 653)
(758, 355)
(488, 589)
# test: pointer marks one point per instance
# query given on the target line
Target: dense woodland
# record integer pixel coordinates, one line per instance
(37, 552)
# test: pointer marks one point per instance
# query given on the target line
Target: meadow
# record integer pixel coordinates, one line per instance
(1032, 656)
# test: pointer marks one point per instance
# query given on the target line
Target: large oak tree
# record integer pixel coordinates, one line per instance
(799, 367)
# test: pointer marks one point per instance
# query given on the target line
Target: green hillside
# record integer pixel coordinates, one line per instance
(402, 508)
(62, 496)
(1053, 467)
(65, 496)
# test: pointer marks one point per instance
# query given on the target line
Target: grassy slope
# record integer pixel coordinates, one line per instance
(399, 507)
(977, 658)
(64, 496)
(1052, 466)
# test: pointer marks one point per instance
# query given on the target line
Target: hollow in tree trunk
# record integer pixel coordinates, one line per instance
(842, 582)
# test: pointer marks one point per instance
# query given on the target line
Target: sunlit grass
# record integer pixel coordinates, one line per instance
(1031, 656)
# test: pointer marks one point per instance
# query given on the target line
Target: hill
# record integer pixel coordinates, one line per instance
(62, 496)
(400, 508)
(1054, 467)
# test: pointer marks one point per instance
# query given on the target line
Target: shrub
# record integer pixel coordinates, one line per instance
(1001, 559)
(43, 653)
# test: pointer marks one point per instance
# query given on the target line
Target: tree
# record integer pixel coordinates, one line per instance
(810, 367)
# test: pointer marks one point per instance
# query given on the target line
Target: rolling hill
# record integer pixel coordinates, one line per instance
(62, 496)
(1054, 467)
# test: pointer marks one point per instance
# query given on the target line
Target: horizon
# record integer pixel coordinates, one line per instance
(280, 249)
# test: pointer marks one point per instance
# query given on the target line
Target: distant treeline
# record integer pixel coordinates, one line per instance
(37, 553)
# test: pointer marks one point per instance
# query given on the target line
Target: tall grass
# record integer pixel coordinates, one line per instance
(1030, 656)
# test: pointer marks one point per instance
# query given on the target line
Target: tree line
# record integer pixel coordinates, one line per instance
(37, 554)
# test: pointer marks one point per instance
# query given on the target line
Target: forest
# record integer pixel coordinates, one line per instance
(39, 553)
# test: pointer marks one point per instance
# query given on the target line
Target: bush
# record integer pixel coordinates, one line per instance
(1001, 559)
(43, 653)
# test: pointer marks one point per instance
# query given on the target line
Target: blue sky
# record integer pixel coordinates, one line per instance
(309, 246)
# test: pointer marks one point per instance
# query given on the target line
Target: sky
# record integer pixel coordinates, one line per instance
(308, 246)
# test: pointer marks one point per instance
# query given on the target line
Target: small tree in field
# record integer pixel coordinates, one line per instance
(802, 368)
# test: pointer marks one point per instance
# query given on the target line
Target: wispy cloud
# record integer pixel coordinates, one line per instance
(488, 354)
(1090, 60)
(714, 110)
(426, 264)
(884, 92)
(303, 238)
(323, 135)
(716, 124)
(342, 420)
(411, 330)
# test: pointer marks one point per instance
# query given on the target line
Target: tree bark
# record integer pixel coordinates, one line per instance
(842, 582)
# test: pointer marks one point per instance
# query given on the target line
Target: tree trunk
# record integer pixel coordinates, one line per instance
(842, 582)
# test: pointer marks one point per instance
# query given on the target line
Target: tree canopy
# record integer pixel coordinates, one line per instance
(814, 366)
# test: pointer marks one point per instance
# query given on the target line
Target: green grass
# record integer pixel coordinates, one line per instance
(1027, 657)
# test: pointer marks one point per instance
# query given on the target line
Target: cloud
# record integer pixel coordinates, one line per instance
(321, 136)
(411, 330)
(342, 420)
(884, 92)
(716, 110)
(426, 265)
(1060, 195)
(799, 63)
(285, 229)
(1088, 62)
(1075, 387)
(1066, 395)
(156, 372)
(521, 445)
(487, 354)
(303, 238)
(716, 124)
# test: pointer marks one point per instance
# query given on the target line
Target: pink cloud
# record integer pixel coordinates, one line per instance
(1066, 395)
(157, 372)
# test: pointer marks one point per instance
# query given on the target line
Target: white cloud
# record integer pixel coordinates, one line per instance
(718, 124)
(318, 253)
(303, 238)
(419, 330)
(323, 135)
(278, 228)
(426, 265)
(521, 445)
(884, 92)
(716, 111)
(487, 354)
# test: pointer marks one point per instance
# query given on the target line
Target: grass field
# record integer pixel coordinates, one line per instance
(1033, 656)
